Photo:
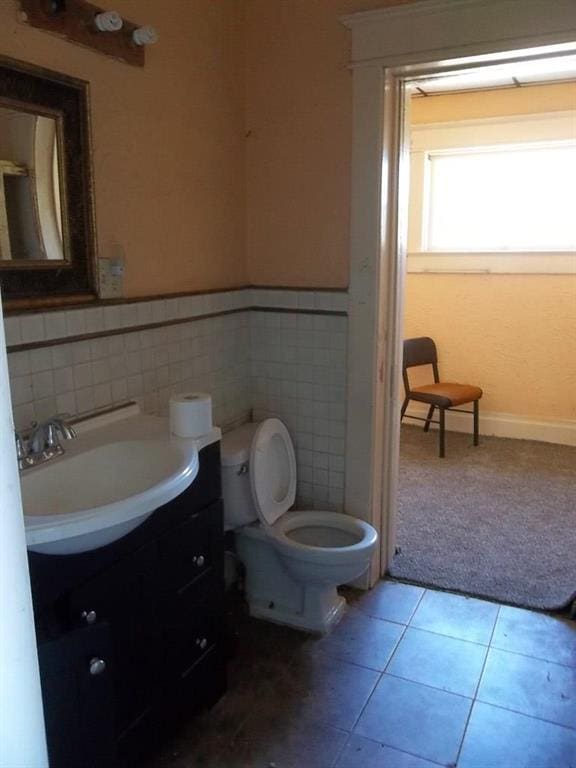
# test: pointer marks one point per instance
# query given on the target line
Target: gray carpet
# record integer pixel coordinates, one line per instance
(496, 521)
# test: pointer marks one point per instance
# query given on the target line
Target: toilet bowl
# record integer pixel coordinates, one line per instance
(294, 560)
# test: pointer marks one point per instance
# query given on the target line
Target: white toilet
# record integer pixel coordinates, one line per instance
(294, 560)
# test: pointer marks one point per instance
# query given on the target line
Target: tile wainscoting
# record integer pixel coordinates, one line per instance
(258, 351)
(299, 375)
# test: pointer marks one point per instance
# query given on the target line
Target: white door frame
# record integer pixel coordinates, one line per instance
(22, 737)
(389, 47)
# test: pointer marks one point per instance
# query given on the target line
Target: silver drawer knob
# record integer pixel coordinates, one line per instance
(199, 561)
(202, 643)
(89, 616)
(97, 666)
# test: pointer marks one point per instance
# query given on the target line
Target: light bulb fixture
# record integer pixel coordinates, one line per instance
(145, 35)
(108, 21)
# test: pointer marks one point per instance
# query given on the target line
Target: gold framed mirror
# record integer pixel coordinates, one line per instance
(47, 234)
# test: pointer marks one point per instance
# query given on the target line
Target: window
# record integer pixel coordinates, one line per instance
(482, 202)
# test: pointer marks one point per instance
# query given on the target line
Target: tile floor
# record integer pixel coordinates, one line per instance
(411, 678)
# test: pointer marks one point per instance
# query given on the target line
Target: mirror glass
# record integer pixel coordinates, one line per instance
(31, 187)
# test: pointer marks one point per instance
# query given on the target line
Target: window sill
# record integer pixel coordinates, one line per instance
(505, 263)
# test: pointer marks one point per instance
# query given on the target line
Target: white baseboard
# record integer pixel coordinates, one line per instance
(562, 431)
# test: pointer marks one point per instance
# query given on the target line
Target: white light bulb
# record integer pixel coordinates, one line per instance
(108, 21)
(145, 35)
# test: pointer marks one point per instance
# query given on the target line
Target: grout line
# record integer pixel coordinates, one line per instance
(529, 656)
(341, 750)
(380, 676)
(474, 699)
(449, 637)
(401, 751)
(523, 714)
(428, 685)
(452, 637)
(556, 613)
(424, 590)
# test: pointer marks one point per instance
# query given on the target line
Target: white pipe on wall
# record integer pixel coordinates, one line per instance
(22, 737)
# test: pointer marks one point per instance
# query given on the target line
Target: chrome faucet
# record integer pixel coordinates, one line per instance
(43, 443)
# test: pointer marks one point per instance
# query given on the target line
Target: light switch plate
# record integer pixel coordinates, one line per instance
(110, 279)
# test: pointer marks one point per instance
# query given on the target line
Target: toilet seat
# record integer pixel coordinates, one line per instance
(272, 470)
(308, 535)
(322, 537)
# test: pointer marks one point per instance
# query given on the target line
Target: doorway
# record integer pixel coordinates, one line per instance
(491, 278)
(390, 48)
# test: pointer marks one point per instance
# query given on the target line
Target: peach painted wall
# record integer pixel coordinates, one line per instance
(299, 113)
(514, 335)
(168, 140)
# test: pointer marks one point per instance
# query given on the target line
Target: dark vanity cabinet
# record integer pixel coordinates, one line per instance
(131, 635)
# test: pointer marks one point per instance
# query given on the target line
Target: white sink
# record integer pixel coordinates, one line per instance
(108, 482)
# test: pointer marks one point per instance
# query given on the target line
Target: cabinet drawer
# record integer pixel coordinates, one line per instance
(189, 639)
(191, 549)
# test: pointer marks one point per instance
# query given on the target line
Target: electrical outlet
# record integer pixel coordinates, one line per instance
(111, 272)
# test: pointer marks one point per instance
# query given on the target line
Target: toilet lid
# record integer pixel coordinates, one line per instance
(272, 470)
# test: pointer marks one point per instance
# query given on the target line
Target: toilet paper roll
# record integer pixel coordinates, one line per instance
(190, 414)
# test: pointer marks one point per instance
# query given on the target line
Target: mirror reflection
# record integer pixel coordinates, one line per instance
(30, 187)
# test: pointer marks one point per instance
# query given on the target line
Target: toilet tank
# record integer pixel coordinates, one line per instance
(239, 508)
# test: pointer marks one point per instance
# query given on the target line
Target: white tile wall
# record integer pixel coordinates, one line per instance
(210, 354)
(299, 375)
(288, 364)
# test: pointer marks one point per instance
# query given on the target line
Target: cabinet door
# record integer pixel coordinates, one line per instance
(76, 674)
(192, 549)
(125, 596)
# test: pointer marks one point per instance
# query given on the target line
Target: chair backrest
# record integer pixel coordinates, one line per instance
(419, 351)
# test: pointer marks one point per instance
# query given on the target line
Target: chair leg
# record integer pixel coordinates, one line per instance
(441, 434)
(476, 421)
(404, 406)
(429, 417)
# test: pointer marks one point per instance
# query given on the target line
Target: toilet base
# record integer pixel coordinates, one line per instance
(322, 610)
(274, 595)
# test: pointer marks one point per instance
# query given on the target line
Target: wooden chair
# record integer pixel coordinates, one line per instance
(442, 395)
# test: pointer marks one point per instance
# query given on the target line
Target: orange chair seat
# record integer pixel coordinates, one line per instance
(446, 394)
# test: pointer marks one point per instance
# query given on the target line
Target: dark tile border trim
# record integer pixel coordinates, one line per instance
(307, 289)
(300, 311)
(177, 321)
(104, 411)
(164, 297)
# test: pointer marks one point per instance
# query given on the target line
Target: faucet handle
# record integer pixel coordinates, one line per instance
(51, 435)
(60, 424)
(20, 448)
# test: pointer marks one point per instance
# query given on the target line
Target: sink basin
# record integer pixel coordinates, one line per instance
(101, 490)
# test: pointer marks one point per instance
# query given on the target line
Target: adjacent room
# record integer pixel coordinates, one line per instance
(491, 279)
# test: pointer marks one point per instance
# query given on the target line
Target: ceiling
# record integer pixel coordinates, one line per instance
(536, 72)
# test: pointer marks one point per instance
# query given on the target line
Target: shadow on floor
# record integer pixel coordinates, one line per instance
(410, 678)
